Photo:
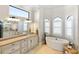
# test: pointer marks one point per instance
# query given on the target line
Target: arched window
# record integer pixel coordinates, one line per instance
(69, 27)
(46, 26)
(57, 26)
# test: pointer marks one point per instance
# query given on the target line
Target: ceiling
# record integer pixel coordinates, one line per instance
(34, 7)
(44, 6)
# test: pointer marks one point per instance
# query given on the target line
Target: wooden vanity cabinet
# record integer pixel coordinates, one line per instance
(32, 42)
(28, 44)
(16, 52)
(20, 47)
(24, 46)
(10, 48)
(0, 50)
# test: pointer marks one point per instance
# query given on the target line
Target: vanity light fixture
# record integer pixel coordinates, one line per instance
(28, 21)
(12, 19)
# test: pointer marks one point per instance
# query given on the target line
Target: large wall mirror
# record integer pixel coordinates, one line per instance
(16, 23)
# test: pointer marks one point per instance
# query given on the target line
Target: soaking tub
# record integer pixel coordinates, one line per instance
(56, 43)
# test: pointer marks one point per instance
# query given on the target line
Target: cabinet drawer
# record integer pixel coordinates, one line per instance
(24, 43)
(24, 50)
(16, 52)
(7, 51)
(11, 47)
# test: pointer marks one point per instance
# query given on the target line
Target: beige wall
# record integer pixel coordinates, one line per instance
(4, 11)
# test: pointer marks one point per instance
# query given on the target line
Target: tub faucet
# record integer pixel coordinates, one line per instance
(56, 38)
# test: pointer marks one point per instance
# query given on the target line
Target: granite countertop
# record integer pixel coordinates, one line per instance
(14, 39)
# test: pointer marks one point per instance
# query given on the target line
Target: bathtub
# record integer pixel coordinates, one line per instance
(56, 44)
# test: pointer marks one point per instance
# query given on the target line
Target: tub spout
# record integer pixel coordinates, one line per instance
(56, 39)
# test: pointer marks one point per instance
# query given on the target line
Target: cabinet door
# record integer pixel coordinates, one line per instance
(29, 43)
(15, 45)
(16, 52)
(24, 43)
(24, 46)
(6, 49)
(10, 47)
(32, 42)
(24, 50)
(0, 50)
(35, 41)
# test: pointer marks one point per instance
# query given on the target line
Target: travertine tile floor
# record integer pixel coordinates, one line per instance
(44, 49)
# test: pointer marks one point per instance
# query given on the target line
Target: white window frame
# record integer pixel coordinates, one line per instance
(47, 27)
(53, 22)
(72, 27)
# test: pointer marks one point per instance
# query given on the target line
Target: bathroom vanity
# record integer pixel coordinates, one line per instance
(19, 45)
